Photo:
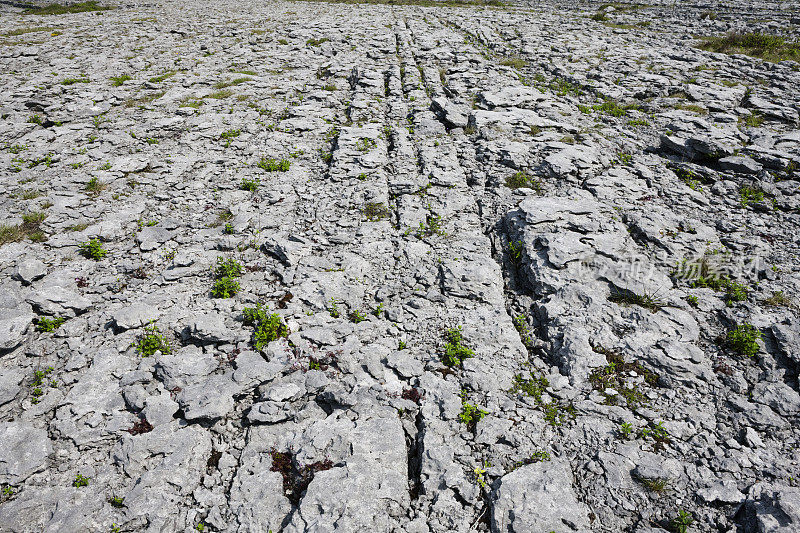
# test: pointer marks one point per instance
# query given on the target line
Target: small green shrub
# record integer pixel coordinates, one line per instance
(470, 414)
(93, 249)
(225, 288)
(750, 195)
(116, 81)
(47, 325)
(268, 327)
(521, 179)
(533, 386)
(681, 523)
(455, 352)
(250, 184)
(80, 481)
(375, 211)
(273, 165)
(228, 268)
(152, 341)
(743, 338)
(357, 316)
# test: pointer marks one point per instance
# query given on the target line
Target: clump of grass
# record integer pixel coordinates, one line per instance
(152, 341)
(268, 327)
(116, 81)
(94, 186)
(375, 211)
(220, 95)
(514, 62)
(610, 107)
(93, 249)
(30, 228)
(273, 165)
(646, 300)
(753, 120)
(778, 299)
(455, 351)
(742, 340)
(749, 195)
(772, 48)
(533, 386)
(522, 179)
(653, 484)
(316, 42)
(58, 9)
(73, 81)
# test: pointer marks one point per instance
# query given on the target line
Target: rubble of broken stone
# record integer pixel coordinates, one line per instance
(571, 193)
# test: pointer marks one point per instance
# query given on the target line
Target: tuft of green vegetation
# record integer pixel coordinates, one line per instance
(610, 107)
(93, 249)
(225, 288)
(750, 195)
(316, 42)
(80, 481)
(47, 325)
(470, 414)
(681, 523)
(58, 9)
(268, 327)
(94, 186)
(73, 81)
(743, 338)
(30, 228)
(250, 184)
(653, 484)
(514, 62)
(455, 351)
(152, 341)
(522, 179)
(753, 120)
(116, 81)
(773, 48)
(116, 501)
(228, 268)
(534, 386)
(375, 211)
(626, 297)
(273, 165)
(779, 299)
(356, 316)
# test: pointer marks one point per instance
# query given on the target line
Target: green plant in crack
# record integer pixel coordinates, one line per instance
(333, 308)
(647, 300)
(357, 316)
(225, 272)
(533, 386)
(750, 195)
(80, 481)
(117, 81)
(94, 186)
(375, 211)
(557, 414)
(681, 523)
(93, 249)
(39, 379)
(152, 341)
(626, 430)
(274, 165)
(470, 414)
(455, 351)
(521, 179)
(47, 325)
(653, 484)
(250, 184)
(515, 250)
(268, 327)
(116, 502)
(743, 339)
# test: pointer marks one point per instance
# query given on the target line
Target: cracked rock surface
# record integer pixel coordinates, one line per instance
(299, 266)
